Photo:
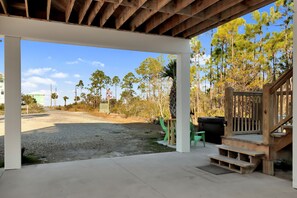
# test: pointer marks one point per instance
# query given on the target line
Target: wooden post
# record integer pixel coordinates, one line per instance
(268, 165)
(267, 114)
(229, 111)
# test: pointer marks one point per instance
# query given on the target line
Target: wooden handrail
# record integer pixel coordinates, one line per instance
(281, 123)
(241, 93)
(282, 79)
(280, 96)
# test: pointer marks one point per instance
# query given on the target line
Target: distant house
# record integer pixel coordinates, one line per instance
(39, 97)
(1, 88)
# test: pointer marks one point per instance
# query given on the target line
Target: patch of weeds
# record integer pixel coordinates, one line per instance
(1, 164)
(30, 159)
(153, 146)
(283, 164)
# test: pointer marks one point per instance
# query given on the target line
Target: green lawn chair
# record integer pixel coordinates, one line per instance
(165, 129)
(196, 136)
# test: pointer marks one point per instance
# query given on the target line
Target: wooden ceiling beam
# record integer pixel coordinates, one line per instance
(226, 16)
(84, 10)
(48, 9)
(196, 7)
(68, 10)
(159, 18)
(27, 8)
(147, 6)
(199, 7)
(144, 15)
(172, 22)
(98, 5)
(108, 12)
(205, 14)
(4, 6)
(127, 13)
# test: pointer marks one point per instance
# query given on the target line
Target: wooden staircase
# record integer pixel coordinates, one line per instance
(267, 114)
(237, 159)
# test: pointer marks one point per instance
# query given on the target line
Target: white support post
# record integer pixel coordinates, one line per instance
(295, 99)
(183, 103)
(12, 69)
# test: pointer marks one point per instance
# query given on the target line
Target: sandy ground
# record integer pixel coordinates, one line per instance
(57, 136)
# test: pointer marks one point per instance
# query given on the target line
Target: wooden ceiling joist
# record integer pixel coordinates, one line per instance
(48, 9)
(196, 7)
(27, 8)
(156, 20)
(155, 5)
(108, 12)
(84, 10)
(195, 10)
(4, 6)
(227, 15)
(127, 13)
(69, 10)
(98, 5)
(171, 23)
(206, 14)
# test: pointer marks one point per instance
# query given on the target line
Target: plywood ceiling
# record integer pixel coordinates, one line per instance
(177, 18)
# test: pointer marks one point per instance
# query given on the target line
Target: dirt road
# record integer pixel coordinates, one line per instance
(63, 136)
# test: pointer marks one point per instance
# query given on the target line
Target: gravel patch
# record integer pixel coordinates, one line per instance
(64, 136)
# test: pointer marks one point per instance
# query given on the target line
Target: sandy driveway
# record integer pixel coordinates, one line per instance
(63, 136)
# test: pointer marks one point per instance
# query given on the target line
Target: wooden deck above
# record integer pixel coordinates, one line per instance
(177, 18)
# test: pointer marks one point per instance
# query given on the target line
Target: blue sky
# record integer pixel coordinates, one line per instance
(63, 66)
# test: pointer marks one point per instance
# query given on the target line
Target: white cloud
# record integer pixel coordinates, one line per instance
(201, 59)
(76, 75)
(95, 63)
(38, 71)
(69, 82)
(28, 85)
(39, 81)
(49, 57)
(59, 75)
(72, 62)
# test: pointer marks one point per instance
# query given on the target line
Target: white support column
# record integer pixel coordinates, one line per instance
(12, 69)
(295, 99)
(183, 103)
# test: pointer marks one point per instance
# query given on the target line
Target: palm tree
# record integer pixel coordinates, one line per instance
(54, 96)
(65, 99)
(116, 81)
(169, 71)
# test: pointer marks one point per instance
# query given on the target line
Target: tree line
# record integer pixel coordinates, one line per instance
(242, 55)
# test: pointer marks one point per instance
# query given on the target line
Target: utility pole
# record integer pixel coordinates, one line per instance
(51, 87)
(75, 93)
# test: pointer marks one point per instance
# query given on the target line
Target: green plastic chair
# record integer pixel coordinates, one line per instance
(196, 136)
(165, 129)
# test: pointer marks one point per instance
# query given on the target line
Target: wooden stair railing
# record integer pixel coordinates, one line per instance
(277, 105)
(277, 113)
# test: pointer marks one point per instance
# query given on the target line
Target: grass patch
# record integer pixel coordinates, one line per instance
(152, 145)
(30, 159)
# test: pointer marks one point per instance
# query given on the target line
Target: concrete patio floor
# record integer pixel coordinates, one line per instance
(153, 175)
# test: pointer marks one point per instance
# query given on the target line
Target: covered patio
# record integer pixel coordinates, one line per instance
(163, 26)
(155, 175)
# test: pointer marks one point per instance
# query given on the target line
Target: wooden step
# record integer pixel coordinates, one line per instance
(239, 166)
(278, 134)
(241, 150)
